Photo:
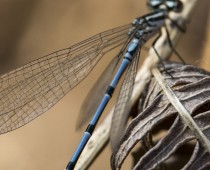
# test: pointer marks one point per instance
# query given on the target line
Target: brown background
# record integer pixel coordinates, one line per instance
(30, 29)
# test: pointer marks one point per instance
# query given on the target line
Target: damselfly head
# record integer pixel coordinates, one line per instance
(170, 5)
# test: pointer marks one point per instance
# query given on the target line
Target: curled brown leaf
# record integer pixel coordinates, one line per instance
(192, 86)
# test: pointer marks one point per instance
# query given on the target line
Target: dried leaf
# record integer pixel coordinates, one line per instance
(199, 160)
(192, 86)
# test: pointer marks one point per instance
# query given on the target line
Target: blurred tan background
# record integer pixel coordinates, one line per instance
(31, 29)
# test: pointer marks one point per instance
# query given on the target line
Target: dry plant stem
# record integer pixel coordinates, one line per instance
(184, 114)
(101, 134)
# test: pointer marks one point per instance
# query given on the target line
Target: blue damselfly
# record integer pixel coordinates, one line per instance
(143, 29)
(34, 88)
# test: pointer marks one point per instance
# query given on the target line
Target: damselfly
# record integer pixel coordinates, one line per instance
(143, 28)
(35, 87)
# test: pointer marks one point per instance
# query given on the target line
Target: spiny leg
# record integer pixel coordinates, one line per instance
(172, 46)
(183, 28)
(156, 52)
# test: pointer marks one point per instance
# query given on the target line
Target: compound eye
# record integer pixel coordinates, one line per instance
(175, 5)
(154, 3)
(171, 4)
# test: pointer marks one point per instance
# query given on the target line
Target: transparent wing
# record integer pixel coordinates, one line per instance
(35, 87)
(97, 92)
(93, 99)
(122, 106)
